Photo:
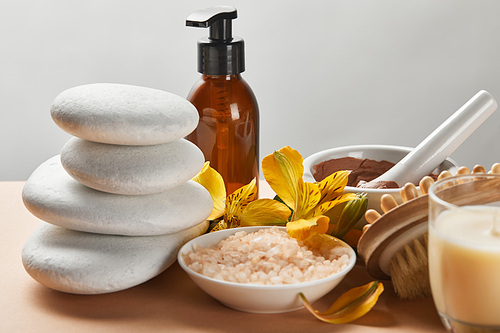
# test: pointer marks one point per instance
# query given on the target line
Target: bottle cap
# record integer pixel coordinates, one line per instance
(220, 53)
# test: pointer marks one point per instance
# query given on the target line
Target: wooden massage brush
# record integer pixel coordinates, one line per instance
(394, 245)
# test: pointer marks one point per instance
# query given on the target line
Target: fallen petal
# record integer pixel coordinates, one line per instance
(350, 306)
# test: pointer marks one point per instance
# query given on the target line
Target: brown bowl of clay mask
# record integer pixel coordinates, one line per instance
(366, 162)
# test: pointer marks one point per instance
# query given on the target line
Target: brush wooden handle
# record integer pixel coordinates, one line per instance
(413, 213)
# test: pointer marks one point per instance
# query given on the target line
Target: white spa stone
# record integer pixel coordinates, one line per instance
(55, 197)
(85, 263)
(123, 114)
(131, 170)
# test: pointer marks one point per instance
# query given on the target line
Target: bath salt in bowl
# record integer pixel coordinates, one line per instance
(262, 269)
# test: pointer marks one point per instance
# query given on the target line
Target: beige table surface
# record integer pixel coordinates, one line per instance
(171, 302)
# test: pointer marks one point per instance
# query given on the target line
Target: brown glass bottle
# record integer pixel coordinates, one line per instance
(228, 129)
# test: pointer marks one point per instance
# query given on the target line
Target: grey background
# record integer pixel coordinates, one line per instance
(326, 73)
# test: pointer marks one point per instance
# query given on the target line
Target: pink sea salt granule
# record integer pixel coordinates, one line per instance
(266, 257)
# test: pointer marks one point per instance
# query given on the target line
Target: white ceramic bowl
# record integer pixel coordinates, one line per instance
(258, 298)
(376, 152)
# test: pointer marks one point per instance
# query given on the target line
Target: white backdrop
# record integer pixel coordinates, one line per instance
(326, 73)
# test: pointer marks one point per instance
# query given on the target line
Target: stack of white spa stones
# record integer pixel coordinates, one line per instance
(119, 201)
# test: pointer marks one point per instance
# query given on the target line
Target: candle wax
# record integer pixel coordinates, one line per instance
(464, 265)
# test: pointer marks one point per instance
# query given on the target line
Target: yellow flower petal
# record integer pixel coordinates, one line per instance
(350, 306)
(318, 240)
(326, 206)
(333, 185)
(240, 198)
(237, 201)
(308, 196)
(283, 169)
(210, 179)
(265, 212)
(302, 229)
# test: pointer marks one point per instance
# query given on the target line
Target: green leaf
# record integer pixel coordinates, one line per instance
(277, 198)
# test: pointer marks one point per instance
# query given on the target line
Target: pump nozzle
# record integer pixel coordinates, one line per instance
(220, 53)
(217, 19)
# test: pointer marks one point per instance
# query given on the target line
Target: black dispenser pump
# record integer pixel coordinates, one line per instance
(220, 53)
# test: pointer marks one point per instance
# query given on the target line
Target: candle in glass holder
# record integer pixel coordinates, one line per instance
(464, 263)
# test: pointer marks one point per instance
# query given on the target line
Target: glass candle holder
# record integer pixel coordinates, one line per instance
(464, 251)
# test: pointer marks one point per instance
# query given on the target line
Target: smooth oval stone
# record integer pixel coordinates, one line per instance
(123, 114)
(85, 263)
(55, 197)
(131, 170)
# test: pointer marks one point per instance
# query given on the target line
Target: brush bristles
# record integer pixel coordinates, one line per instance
(410, 271)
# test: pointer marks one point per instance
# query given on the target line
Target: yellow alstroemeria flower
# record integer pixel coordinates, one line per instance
(306, 202)
(229, 208)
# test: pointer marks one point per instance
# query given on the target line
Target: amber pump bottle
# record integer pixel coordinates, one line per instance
(228, 129)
